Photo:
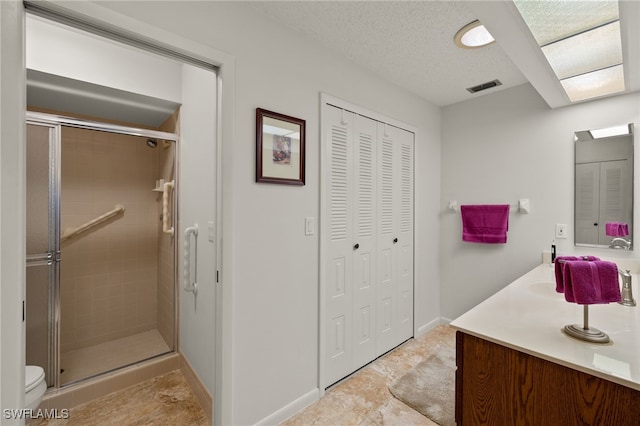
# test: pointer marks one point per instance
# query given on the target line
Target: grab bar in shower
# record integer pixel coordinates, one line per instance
(68, 233)
(188, 285)
(168, 186)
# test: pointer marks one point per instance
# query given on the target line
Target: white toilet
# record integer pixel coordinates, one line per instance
(34, 386)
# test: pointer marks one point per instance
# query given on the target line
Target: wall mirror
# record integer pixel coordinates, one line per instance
(604, 187)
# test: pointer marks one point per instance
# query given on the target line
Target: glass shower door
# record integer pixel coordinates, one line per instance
(43, 251)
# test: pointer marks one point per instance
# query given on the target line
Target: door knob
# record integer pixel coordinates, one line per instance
(395, 240)
(595, 224)
(356, 246)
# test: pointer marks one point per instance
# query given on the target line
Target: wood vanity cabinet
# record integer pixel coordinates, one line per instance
(496, 385)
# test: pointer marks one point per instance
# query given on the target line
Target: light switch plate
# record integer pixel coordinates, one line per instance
(309, 226)
(211, 231)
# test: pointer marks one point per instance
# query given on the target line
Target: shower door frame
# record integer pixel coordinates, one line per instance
(52, 258)
(56, 122)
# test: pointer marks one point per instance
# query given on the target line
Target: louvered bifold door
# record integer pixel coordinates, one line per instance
(587, 203)
(364, 234)
(614, 205)
(403, 241)
(339, 131)
(395, 236)
(386, 254)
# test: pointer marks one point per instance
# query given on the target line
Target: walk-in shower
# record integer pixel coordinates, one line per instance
(101, 272)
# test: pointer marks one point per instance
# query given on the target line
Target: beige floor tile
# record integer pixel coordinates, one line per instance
(361, 399)
(164, 400)
(364, 397)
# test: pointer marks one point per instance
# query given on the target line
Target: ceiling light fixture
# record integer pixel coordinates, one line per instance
(610, 131)
(473, 36)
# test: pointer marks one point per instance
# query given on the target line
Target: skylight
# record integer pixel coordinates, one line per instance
(581, 41)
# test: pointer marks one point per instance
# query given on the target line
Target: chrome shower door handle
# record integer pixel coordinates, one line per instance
(188, 285)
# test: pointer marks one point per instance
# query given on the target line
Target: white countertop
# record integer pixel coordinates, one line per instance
(528, 315)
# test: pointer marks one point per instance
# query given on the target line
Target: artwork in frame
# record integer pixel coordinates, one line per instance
(280, 148)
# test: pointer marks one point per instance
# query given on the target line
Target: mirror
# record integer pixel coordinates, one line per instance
(604, 187)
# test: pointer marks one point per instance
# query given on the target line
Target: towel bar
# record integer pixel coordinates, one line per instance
(189, 285)
(521, 207)
(166, 187)
(68, 233)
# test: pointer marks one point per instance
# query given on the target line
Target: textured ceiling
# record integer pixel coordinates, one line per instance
(407, 42)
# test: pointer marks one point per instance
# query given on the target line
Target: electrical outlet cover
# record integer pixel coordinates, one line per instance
(561, 230)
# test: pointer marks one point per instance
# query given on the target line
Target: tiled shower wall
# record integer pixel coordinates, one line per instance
(109, 274)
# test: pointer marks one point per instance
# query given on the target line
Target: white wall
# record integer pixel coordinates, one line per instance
(275, 285)
(197, 200)
(75, 54)
(497, 149)
(12, 207)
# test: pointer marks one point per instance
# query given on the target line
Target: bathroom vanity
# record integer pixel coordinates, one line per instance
(516, 366)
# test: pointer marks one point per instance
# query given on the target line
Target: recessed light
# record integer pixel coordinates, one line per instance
(473, 35)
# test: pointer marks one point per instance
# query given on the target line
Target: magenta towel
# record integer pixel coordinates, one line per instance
(591, 282)
(617, 229)
(485, 223)
(559, 268)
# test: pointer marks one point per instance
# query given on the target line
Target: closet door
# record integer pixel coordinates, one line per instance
(339, 127)
(587, 203)
(614, 206)
(364, 253)
(403, 225)
(395, 237)
(368, 240)
(386, 274)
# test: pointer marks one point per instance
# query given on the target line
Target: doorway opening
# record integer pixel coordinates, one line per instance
(109, 94)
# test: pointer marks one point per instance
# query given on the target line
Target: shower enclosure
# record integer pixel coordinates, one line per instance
(101, 256)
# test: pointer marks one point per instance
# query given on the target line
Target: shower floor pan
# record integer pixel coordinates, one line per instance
(91, 361)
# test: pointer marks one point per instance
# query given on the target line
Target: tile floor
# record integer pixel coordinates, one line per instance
(163, 400)
(88, 362)
(361, 399)
(364, 397)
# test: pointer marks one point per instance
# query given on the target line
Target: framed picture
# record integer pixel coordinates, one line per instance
(279, 148)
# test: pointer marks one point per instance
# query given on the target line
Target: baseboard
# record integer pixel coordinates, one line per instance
(199, 390)
(444, 320)
(290, 409)
(424, 329)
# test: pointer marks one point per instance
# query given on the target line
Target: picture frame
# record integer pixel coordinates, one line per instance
(280, 148)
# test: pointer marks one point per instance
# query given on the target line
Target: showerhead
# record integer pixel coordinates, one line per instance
(152, 143)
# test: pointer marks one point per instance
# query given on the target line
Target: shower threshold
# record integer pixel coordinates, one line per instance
(91, 361)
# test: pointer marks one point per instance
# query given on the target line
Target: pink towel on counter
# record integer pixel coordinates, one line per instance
(559, 268)
(591, 282)
(617, 229)
(485, 223)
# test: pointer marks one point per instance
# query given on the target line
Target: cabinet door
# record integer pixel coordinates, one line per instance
(339, 131)
(364, 253)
